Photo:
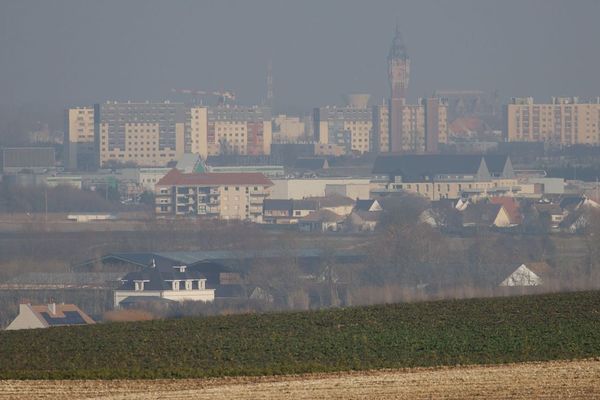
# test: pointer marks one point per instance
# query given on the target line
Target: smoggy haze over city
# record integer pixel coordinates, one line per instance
(63, 53)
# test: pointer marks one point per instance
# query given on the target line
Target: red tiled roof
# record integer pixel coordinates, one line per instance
(541, 269)
(322, 216)
(465, 126)
(175, 177)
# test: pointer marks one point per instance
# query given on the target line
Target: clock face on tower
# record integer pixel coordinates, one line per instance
(398, 71)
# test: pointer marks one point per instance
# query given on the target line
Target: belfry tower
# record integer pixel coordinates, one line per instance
(398, 75)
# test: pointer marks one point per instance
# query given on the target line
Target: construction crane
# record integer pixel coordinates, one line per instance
(224, 97)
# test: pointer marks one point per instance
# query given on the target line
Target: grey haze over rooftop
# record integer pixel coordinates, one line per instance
(61, 53)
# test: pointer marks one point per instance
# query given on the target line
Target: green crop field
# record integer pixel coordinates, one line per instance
(478, 331)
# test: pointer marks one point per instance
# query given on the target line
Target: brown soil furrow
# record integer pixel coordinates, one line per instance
(547, 380)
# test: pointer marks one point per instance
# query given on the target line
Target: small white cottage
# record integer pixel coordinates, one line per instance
(532, 274)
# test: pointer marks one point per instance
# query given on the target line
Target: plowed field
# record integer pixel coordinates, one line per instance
(546, 380)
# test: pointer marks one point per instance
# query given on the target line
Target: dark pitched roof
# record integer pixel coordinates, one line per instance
(175, 177)
(65, 314)
(142, 260)
(548, 208)
(279, 205)
(481, 214)
(571, 203)
(158, 280)
(418, 167)
(304, 204)
(364, 205)
(311, 163)
(65, 278)
(70, 318)
(496, 164)
(574, 220)
(332, 200)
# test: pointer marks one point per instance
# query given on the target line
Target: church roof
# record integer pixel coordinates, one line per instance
(398, 49)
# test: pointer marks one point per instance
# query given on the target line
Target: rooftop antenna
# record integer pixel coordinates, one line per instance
(270, 83)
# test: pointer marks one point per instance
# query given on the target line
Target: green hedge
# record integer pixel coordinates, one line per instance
(478, 331)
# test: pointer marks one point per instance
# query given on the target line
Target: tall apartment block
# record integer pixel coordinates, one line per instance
(381, 128)
(79, 146)
(147, 134)
(435, 123)
(239, 130)
(564, 121)
(347, 127)
(422, 126)
(153, 134)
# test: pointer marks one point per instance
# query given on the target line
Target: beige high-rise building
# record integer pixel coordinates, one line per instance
(563, 121)
(199, 131)
(288, 129)
(381, 128)
(348, 127)
(154, 134)
(147, 134)
(79, 145)
(239, 130)
(423, 126)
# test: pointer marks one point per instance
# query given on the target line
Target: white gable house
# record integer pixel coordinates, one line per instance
(527, 276)
(179, 285)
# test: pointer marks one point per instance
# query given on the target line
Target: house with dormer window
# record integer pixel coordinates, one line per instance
(177, 285)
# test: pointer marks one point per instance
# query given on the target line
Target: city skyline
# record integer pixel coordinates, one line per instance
(464, 45)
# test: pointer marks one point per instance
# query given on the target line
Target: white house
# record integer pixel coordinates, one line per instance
(532, 274)
(176, 285)
(47, 315)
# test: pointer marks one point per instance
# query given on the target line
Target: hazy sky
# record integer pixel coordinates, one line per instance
(79, 52)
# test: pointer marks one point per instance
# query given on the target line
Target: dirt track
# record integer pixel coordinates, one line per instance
(556, 380)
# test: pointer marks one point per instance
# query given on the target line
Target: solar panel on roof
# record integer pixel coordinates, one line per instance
(70, 318)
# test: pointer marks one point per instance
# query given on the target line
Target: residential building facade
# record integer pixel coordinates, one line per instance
(564, 121)
(439, 177)
(287, 211)
(177, 285)
(423, 126)
(288, 129)
(79, 143)
(147, 134)
(154, 134)
(228, 196)
(346, 127)
(238, 130)
(355, 188)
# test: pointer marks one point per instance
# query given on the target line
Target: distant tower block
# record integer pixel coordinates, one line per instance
(357, 100)
(270, 84)
(398, 75)
(398, 67)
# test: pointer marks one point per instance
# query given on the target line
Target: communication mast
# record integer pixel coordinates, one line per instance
(270, 84)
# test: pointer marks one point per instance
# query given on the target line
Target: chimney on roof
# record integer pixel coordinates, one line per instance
(52, 308)
(153, 263)
(180, 268)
